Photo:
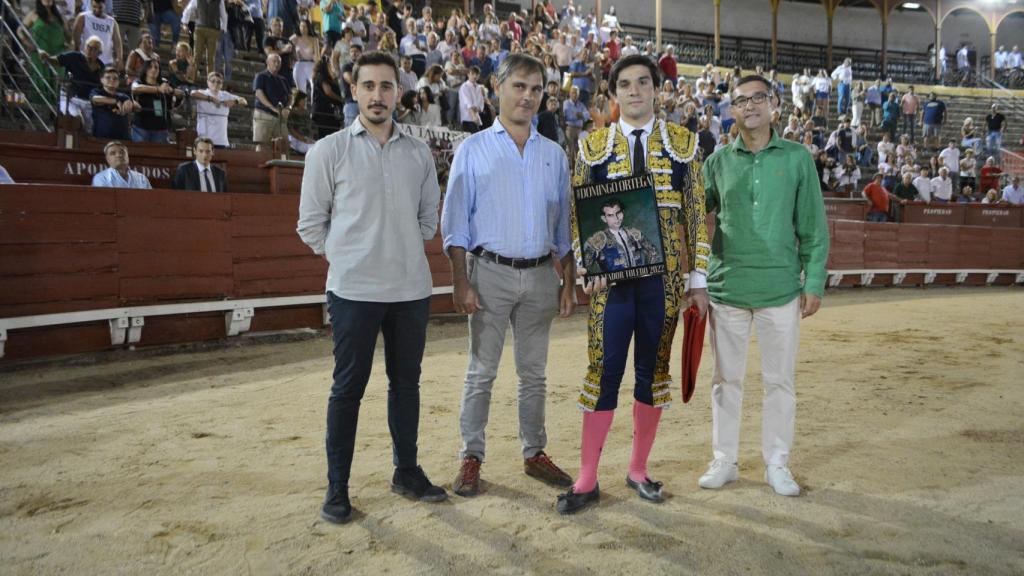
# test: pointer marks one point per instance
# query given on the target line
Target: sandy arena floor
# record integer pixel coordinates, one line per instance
(910, 447)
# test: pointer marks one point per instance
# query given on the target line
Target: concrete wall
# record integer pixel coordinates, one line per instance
(909, 31)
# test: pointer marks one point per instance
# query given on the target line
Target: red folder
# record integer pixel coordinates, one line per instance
(693, 346)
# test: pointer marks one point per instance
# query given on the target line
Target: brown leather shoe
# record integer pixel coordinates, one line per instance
(467, 483)
(542, 468)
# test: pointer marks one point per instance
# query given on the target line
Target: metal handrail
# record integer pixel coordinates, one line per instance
(30, 72)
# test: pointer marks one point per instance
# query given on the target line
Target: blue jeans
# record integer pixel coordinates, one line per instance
(994, 142)
(843, 104)
(878, 217)
(634, 310)
(143, 135)
(355, 326)
(909, 122)
(168, 17)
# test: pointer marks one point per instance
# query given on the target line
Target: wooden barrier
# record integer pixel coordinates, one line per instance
(998, 215)
(948, 214)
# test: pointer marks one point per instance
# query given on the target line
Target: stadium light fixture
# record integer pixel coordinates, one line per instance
(912, 6)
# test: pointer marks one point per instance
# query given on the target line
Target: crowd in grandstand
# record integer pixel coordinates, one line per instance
(122, 90)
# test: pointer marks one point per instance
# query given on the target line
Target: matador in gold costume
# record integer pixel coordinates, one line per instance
(644, 310)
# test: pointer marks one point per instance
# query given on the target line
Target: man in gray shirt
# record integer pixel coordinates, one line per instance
(369, 202)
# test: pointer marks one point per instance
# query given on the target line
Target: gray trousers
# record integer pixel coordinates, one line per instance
(528, 300)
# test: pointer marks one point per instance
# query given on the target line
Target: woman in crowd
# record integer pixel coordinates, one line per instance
(906, 153)
(48, 34)
(989, 174)
(307, 46)
(551, 71)
(408, 108)
(429, 109)
(969, 169)
(182, 67)
(822, 85)
(793, 127)
(156, 96)
(858, 95)
(969, 137)
(886, 149)
(138, 58)
(991, 197)
(847, 176)
(809, 144)
(389, 44)
(327, 100)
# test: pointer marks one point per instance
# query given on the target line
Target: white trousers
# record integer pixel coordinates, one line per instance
(778, 336)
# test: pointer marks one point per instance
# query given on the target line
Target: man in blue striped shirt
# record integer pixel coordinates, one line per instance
(506, 211)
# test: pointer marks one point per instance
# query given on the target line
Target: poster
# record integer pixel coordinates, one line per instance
(617, 229)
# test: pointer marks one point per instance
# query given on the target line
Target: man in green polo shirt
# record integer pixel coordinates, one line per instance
(771, 229)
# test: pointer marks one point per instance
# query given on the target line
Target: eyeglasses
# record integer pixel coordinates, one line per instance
(759, 98)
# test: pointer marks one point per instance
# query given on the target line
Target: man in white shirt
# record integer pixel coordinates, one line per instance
(1001, 55)
(924, 186)
(212, 108)
(407, 79)
(844, 75)
(119, 174)
(942, 186)
(1013, 60)
(629, 48)
(950, 157)
(1013, 193)
(562, 52)
(448, 45)
(471, 102)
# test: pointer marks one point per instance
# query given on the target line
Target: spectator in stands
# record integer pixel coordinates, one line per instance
(847, 176)
(408, 108)
(86, 70)
(1013, 193)
(963, 64)
(890, 116)
(329, 97)
(162, 12)
(129, 15)
(471, 102)
(118, 173)
(909, 105)
(212, 108)
(995, 122)
(102, 26)
(200, 175)
(407, 79)
(44, 27)
(968, 169)
(273, 97)
(822, 86)
(969, 136)
(582, 71)
(182, 68)
(857, 107)
(905, 191)
(966, 195)
(877, 198)
(873, 98)
(1014, 60)
(990, 174)
(942, 186)
(307, 49)
(333, 15)
(991, 197)
(576, 114)
(211, 18)
(140, 57)
(668, 65)
(950, 157)
(843, 75)
(429, 109)
(906, 152)
(933, 118)
(277, 43)
(861, 146)
(254, 27)
(287, 11)
(808, 142)
(886, 149)
(350, 108)
(111, 109)
(923, 183)
(547, 121)
(155, 97)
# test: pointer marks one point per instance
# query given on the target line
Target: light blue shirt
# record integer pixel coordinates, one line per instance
(576, 113)
(510, 204)
(111, 178)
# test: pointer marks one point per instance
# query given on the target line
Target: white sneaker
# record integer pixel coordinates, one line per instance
(781, 480)
(719, 474)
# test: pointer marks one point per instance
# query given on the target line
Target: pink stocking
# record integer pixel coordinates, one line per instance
(645, 428)
(595, 431)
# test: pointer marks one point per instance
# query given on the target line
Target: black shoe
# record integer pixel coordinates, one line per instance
(413, 482)
(571, 502)
(337, 509)
(648, 489)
